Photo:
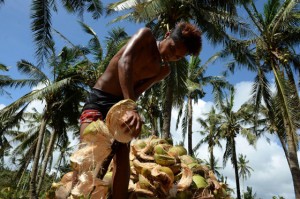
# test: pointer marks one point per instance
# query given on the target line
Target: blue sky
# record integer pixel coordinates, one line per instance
(17, 43)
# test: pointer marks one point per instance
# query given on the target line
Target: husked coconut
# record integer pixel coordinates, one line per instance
(115, 120)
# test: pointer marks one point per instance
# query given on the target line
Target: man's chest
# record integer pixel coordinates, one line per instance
(147, 69)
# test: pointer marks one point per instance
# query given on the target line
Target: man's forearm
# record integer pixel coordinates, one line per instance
(125, 78)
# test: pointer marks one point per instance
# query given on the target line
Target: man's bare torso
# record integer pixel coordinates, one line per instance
(143, 61)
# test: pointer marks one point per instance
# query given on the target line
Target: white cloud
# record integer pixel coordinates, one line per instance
(198, 110)
(271, 175)
(36, 104)
(2, 106)
(242, 94)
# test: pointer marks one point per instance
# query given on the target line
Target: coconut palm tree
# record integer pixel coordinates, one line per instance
(8, 125)
(195, 82)
(279, 33)
(249, 194)
(244, 169)
(271, 51)
(57, 94)
(232, 124)
(26, 143)
(211, 133)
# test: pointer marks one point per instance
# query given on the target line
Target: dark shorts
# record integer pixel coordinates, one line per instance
(97, 105)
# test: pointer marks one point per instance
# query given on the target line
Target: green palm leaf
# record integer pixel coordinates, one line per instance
(33, 95)
(95, 7)
(94, 43)
(3, 67)
(41, 23)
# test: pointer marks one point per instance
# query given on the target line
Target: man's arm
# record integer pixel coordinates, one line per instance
(125, 71)
(125, 64)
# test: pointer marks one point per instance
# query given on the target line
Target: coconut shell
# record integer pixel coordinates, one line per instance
(115, 120)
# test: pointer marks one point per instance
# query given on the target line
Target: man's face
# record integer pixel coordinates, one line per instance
(173, 51)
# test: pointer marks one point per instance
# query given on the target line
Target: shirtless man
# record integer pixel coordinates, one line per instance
(141, 63)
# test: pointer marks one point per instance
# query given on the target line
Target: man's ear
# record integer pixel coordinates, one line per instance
(167, 34)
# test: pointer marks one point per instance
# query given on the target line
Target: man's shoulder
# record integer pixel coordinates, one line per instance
(145, 32)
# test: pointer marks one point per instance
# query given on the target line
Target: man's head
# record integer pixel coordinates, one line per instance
(189, 35)
(184, 39)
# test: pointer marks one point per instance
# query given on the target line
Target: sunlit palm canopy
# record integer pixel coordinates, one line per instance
(41, 21)
(211, 16)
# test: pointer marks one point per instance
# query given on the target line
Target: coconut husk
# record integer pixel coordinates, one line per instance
(89, 186)
(62, 191)
(186, 178)
(88, 157)
(115, 120)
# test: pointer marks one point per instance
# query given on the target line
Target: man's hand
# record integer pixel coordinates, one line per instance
(132, 122)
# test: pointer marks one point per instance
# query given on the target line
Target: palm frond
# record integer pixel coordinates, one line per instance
(261, 90)
(197, 146)
(33, 95)
(95, 7)
(282, 14)
(41, 27)
(94, 43)
(9, 123)
(255, 16)
(179, 116)
(228, 151)
(121, 5)
(63, 37)
(3, 67)
(31, 70)
(178, 76)
(283, 94)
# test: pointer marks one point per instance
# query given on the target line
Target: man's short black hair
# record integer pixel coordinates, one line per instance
(190, 35)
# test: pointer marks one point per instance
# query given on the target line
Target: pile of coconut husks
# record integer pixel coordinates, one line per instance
(158, 169)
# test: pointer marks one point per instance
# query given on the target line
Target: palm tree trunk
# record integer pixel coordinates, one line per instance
(190, 125)
(154, 125)
(212, 159)
(21, 178)
(294, 165)
(167, 110)
(33, 193)
(45, 162)
(237, 181)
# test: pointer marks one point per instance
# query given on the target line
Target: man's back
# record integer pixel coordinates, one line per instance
(136, 62)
